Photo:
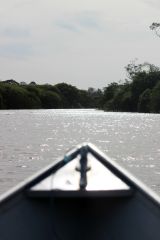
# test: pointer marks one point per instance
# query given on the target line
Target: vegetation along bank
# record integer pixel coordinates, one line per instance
(139, 92)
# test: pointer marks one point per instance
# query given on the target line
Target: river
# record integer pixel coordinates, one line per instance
(31, 139)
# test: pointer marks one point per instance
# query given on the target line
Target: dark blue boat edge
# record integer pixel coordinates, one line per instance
(127, 177)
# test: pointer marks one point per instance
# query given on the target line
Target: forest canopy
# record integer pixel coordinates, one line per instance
(14, 95)
(139, 92)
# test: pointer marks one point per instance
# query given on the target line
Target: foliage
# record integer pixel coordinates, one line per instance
(156, 28)
(70, 95)
(155, 99)
(140, 92)
(33, 96)
(50, 100)
(1, 102)
(95, 97)
(144, 101)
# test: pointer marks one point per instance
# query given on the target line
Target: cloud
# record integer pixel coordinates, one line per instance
(18, 51)
(16, 32)
(15, 42)
(85, 20)
(23, 3)
(67, 26)
(88, 20)
(152, 3)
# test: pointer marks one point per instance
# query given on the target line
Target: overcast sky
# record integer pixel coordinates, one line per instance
(85, 43)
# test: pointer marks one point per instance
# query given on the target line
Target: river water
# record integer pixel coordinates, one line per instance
(31, 139)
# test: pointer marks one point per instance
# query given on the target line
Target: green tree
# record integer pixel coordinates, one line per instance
(155, 99)
(146, 77)
(123, 99)
(1, 102)
(95, 97)
(15, 97)
(133, 69)
(69, 95)
(85, 101)
(109, 92)
(50, 100)
(144, 101)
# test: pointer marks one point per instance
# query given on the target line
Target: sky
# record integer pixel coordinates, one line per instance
(85, 43)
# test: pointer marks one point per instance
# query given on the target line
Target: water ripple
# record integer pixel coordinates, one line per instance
(31, 139)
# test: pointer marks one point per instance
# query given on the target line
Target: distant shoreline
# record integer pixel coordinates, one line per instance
(140, 93)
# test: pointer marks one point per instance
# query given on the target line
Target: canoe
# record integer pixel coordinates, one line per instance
(84, 195)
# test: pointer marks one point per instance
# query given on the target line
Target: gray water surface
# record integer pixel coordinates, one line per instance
(31, 139)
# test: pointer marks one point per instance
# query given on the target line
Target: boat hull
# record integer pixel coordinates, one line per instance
(80, 218)
(39, 215)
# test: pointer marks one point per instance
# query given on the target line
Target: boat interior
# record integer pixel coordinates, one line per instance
(84, 196)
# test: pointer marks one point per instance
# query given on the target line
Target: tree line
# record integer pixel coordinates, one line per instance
(139, 92)
(14, 95)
